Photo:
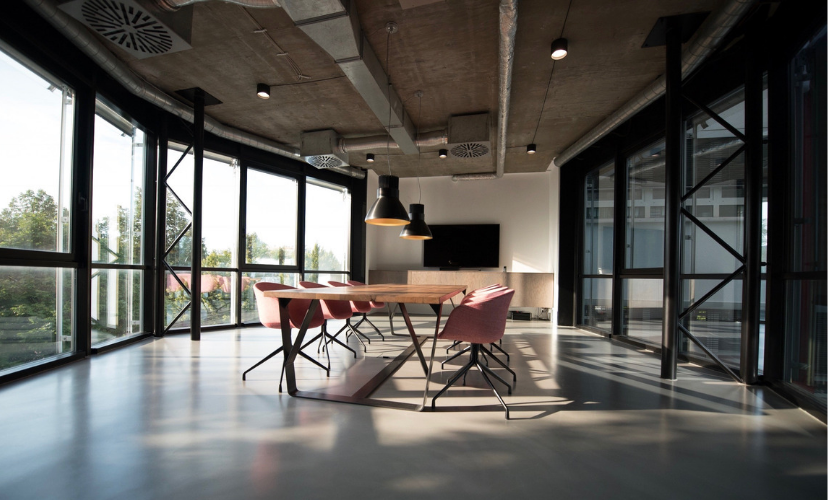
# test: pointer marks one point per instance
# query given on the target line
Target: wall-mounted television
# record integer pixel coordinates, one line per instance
(458, 246)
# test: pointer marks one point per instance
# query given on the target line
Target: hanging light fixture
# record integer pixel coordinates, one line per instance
(263, 90)
(387, 210)
(531, 149)
(417, 229)
(560, 48)
(369, 157)
(443, 153)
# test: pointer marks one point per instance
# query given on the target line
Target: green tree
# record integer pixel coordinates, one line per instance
(29, 222)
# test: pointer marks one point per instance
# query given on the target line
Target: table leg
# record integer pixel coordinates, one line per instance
(414, 338)
(438, 309)
(295, 347)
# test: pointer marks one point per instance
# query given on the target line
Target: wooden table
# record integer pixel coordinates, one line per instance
(433, 295)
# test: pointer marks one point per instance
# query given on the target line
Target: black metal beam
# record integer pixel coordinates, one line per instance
(674, 134)
(712, 174)
(198, 176)
(82, 215)
(710, 354)
(701, 225)
(619, 238)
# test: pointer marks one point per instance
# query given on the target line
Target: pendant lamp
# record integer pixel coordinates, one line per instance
(387, 210)
(417, 229)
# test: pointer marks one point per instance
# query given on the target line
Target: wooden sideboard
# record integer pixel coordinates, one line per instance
(531, 289)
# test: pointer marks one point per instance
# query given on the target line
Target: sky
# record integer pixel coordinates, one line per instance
(30, 116)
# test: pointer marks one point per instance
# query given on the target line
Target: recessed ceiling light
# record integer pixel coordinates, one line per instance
(531, 149)
(560, 48)
(263, 90)
(369, 157)
(443, 153)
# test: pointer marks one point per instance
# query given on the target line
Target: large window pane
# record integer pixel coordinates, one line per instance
(179, 206)
(327, 227)
(36, 126)
(36, 307)
(249, 312)
(596, 297)
(643, 309)
(324, 278)
(806, 336)
(217, 304)
(272, 207)
(718, 322)
(645, 193)
(598, 223)
(117, 302)
(118, 189)
(220, 213)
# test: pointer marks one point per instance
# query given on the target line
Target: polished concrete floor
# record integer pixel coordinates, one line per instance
(171, 418)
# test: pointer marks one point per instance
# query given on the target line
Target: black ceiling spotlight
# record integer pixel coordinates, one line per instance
(387, 210)
(417, 229)
(531, 149)
(369, 157)
(263, 90)
(443, 153)
(560, 48)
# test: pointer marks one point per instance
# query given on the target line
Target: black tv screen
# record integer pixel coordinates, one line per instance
(463, 245)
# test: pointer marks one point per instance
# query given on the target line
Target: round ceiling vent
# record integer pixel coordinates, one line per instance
(128, 26)
(324, 161)
(469, 150)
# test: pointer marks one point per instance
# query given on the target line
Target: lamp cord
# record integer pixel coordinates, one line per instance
(388, 73)
(419, 118)
(549, 84)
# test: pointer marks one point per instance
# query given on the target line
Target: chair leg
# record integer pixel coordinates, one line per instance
(311, 341)
(480, 367)
(498, 377)
(458, 353)
(501, 350)
(317, 363)
(366, 320)
(452, 380)
(357, 335)
(356, 331)
(501, 363)
(453, 345)
(277, 351)
(332, 338)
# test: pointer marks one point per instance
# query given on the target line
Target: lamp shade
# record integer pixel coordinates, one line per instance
(387, 210)
(263, 90)
(560, 48)
(417, 229)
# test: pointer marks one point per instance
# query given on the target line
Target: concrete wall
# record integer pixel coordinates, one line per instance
(525, 206)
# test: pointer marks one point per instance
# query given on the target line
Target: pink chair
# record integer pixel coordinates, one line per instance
(493, 345)
(374, 305)
(357, 307)
(270, 317)
(331, 309)
(479, 319)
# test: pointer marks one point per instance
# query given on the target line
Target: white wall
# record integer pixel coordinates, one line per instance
(525, 206)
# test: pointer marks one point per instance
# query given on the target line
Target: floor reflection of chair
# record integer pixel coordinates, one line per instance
(359, 307)
(479, 319)
(270, 317)
(331, 309)
(374, 305)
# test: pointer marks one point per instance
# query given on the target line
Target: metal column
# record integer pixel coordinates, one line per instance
(672, 215)
(751, 287)
(198, 171)
(161, 230)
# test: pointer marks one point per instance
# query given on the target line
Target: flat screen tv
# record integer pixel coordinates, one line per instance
(462, 246)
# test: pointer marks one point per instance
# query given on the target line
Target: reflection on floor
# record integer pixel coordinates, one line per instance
(171, 418)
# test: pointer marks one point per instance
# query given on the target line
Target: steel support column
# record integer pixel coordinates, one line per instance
(161, 230)
(752, 284)
(198, 171)
(672, 215)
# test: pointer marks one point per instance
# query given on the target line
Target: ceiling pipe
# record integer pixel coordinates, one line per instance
(508, 30)
(173, 5)
(708, 38)
(356, 144)
(89, 44)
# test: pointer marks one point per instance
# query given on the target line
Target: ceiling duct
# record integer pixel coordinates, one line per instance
(468, 136)
(321, 149)
(138, 27)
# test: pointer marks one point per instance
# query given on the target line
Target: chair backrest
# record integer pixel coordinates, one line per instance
(356, 306)
(374, 303)
(481, 316)
(332, 309)
(356, 283)
(268, 307)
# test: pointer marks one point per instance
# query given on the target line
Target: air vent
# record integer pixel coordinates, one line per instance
(325, 161)
(128, 25)
(470, 150)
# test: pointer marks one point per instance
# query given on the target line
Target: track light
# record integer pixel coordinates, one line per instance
(369, 157)
(263, 90)
(560, 48)
(443, 153)
(531, 149)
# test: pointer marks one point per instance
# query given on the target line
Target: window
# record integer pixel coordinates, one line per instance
(327, 231)
(596, 276)
(656, 212)
(117, 222)
(731, 210)
(642, 301)
(644, 236)
(272, 204)
(36, 124)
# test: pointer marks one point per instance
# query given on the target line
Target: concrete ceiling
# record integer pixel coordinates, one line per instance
(448, 49)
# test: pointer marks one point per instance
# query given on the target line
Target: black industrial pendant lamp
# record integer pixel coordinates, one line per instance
(387, 210)
(417, 229)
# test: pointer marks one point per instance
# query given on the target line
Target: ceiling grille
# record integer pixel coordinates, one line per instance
(469, 150)
(325, 161)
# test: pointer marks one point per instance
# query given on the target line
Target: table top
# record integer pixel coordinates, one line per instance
(405, 294)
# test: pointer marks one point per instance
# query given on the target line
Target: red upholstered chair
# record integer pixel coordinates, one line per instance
(331, 309)
(359, 307)
(270, 317)
(479, 291)
(374, 305)
(479, 319)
